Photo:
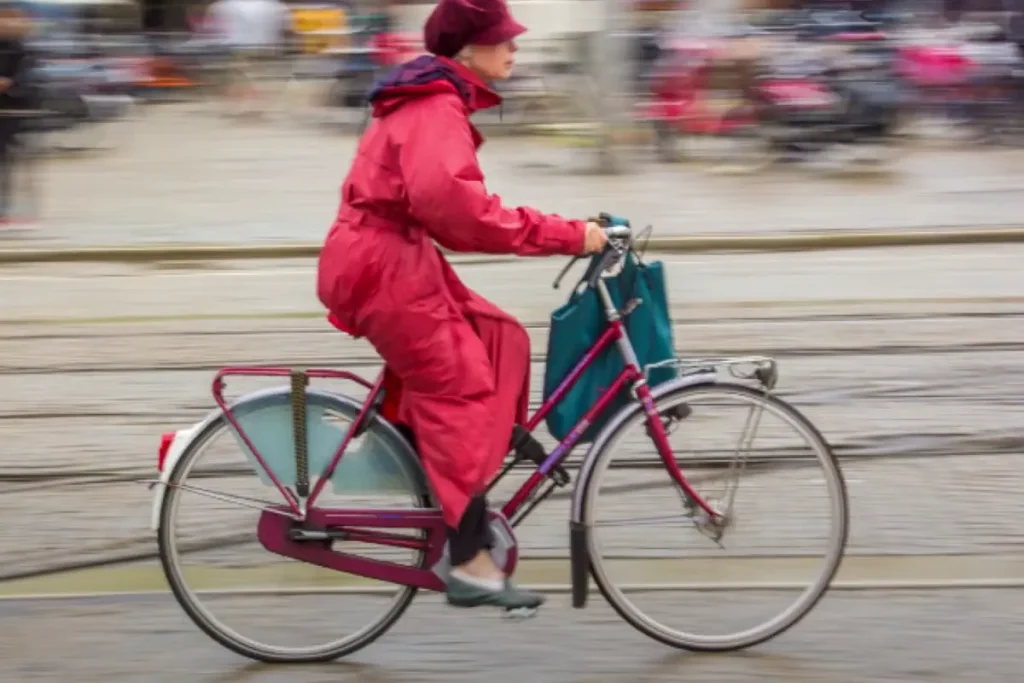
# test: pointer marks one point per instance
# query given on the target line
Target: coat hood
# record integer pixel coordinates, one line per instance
(429, 75)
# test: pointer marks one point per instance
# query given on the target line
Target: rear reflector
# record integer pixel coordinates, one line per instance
(166, 439)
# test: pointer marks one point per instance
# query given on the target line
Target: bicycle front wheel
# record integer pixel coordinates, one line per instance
(666, 568)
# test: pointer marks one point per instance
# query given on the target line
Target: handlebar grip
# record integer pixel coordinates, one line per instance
(615, 227)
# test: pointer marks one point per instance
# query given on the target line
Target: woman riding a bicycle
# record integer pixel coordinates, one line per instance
(458, 366)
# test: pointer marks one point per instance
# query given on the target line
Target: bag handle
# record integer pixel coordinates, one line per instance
(593, 272)
(587, 274)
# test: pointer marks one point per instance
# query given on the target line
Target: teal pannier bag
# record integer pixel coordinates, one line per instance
(578, 324)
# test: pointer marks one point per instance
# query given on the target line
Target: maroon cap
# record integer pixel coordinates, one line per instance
(454, 24)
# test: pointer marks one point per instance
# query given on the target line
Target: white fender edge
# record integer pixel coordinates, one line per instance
(182, 439)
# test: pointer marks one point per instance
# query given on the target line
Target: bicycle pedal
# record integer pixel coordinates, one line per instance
(521, 613)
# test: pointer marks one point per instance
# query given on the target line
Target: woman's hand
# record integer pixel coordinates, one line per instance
(595, 239)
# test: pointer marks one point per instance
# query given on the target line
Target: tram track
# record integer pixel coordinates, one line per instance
(907, 397)
(342, 353)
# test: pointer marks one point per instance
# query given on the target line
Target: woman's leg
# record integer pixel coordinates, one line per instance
(463, 386)
(469, 541)
(508, 351)
(474, 579)
(469, 548)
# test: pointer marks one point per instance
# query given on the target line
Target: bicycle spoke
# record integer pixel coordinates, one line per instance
(626, 513)
(682, 519)
(746, 445)
(243, 501)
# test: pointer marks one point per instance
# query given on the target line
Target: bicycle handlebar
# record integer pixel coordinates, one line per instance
(620, 241)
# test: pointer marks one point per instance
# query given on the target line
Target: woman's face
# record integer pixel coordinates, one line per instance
(492, 62)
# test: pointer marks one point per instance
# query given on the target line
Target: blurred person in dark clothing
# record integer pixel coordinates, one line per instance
(1015, 24)
(17, 96)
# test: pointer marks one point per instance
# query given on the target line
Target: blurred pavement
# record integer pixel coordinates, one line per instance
(181, 174)
(884, 637)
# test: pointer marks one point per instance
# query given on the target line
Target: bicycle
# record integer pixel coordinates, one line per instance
(289, 432)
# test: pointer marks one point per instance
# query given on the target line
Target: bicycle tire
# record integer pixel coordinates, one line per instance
(780, 624)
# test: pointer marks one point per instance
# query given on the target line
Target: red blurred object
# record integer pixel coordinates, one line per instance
(927, 66)
(166, 439)
(684, 97)
(396, 47)
(161, 72)
(797, 94)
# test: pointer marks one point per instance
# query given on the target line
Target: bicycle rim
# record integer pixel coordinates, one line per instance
(700, 573)
(290, 594)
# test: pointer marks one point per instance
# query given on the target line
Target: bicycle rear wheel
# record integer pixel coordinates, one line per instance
(262, 605)
(664, 570)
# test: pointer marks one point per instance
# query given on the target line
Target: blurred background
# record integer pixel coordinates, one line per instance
(156, 95)
(839, 185)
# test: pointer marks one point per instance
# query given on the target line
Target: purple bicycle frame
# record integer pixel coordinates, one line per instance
(376, 526)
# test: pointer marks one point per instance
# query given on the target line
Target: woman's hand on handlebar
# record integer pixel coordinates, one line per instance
(595, 238)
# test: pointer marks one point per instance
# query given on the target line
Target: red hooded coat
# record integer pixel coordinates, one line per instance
(458, 366)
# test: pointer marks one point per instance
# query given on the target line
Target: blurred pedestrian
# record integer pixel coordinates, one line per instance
(199, 21)
(1015, 25)
(254, 32)
(458, 366)
(17, 98)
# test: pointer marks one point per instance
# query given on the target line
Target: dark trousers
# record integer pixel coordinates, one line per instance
(8, 157)
(473, 534)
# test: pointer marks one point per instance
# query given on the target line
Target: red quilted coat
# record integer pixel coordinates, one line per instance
(458, 366)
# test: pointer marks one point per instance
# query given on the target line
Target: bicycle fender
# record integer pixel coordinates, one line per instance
(179, 443)
(408, 465)
(183, 438)
(578, 527)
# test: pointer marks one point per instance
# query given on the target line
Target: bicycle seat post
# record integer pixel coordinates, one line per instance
(299, 382)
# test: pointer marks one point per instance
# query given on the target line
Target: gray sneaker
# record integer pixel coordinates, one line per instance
(465, 594)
